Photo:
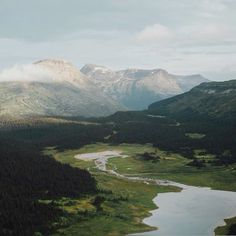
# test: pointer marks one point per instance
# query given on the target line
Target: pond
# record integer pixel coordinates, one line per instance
(193, 211)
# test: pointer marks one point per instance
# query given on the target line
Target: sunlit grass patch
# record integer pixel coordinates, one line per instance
(195, 135)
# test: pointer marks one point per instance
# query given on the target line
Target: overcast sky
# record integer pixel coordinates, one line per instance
(181, 36)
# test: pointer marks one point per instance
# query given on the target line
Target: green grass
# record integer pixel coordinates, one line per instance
(68, 158)
(195, 135)
(171, 166)
(174, 167)
(122, 211)
(225, 230)
(201, 154)
(122, 217)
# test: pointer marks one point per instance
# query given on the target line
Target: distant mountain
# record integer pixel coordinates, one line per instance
(52, 87)
(57, 88)
(213, 99)
(137, 88)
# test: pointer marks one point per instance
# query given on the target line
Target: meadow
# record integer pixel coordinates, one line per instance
(122, 204)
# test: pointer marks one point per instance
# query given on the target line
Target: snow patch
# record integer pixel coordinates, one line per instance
(101, 69)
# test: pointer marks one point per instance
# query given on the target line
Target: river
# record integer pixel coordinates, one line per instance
(195, 211)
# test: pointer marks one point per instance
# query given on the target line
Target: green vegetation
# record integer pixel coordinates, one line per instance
(174, 167)
(121, 212)
(214, 99)
(195, 135)
(171, 166)
(27, 178)
(115, 214)
(228, 229)
(192, 140)
(122, 205)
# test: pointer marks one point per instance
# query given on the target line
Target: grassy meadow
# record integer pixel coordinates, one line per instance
(123, 205)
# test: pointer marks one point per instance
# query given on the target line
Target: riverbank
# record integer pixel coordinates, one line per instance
(193, 211)
(174, 167)
(125, 205)
(168, 202)
(229, 227)
(131, 166)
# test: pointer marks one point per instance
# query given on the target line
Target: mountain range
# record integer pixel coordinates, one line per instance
(57, 88)
(137, 88)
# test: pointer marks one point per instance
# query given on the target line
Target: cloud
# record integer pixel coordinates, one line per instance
(198, 35)
(201, 34)
(212, 32)
(210, 8)
(28, 72)
(154, 33)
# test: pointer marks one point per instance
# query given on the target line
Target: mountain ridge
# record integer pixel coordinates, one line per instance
(56, 87)
(213, 99)
(137, 88)
(63, 90)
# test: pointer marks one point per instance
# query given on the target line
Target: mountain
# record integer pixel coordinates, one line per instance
(213, 99)
(52, 87)
(202, 119)
(57, 88)
(137, 88)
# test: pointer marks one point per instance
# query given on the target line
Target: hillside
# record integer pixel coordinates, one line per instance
(214, 99)
(57, 88)
(53, 87)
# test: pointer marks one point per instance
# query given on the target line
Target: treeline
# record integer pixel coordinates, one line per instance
(62, 136)
(27, 176)
(170, 134)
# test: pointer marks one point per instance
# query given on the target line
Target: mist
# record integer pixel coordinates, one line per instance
(26, 73)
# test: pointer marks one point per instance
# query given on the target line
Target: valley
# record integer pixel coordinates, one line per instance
(139, 153)
(123, 206)
(117, 118)
(135, 152)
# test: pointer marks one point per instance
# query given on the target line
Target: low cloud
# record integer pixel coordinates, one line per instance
(155, 33)
(28, 72)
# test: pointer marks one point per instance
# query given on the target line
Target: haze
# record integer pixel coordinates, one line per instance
(182, 36)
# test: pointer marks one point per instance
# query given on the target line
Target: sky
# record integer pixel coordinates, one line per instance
(181, 36)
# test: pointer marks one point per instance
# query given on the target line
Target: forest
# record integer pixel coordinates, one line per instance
(27, 176)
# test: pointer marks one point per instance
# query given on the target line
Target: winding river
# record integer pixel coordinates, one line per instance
(195, 211)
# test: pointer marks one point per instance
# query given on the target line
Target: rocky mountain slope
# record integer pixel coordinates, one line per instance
(136, 88)
(57, 88)
(52, 87)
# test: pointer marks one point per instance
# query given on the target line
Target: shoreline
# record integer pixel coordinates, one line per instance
(225, 225)
(101, 159)
(221, 223)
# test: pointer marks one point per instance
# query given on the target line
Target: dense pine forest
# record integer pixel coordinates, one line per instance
(28, 177)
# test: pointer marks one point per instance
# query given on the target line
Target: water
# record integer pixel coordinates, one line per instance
(193, 211)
